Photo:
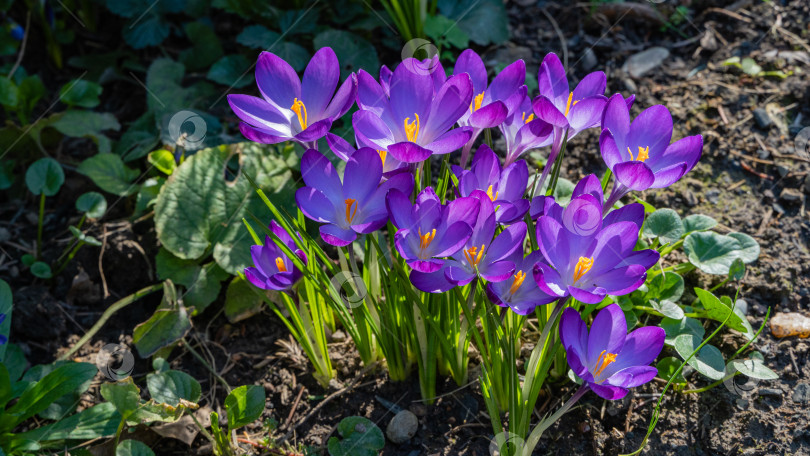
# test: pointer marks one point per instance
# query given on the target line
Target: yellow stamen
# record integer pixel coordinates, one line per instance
(412, 128)
(527, 119)
(426, 239)
(583, 266)
(476, 103)
(604, 360)
(351, 209)
(490, 195)
(643, 153)
(280, 265)
(301, 111)
(517, 281)
(471, 255)
(569, 104)
(382, 153)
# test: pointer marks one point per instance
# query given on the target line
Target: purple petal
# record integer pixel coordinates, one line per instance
(343, 100)
(608, 332)
(609, 149)
(497, 271)
(462, 210)
(458, 276)
(632, 376)
(411, 93)
(452, 239)
(574, 333)
(319, 81)
(622, 280)
(318, 172)
(508, 81)
(514, 180)
(616, 117)
(587, 113)
(548, 280)
(545, 110)
(508, 241)
(489, 116)
(451, 141)
(315, 205)
(470, 62)
(652, 128)
(426, 266)
(611, 393)
(574, 361)
(362, 175)
(450, 103)
(634, 175)
(261, 135)
(370, 96)
(592, 295)
(315, 131)
(258, 112)
(589, 185)
(551, 79)
(668, 176)
(633, 212)
(509, 213)
(592, 84)
(339, 146)
(399, 209)
(277, 81)
(552, 241)
(434, 282)
(337, 236)
(370, 129)
(409, 152)
(641, 347)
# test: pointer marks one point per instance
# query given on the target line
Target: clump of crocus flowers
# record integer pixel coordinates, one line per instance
(489, 224)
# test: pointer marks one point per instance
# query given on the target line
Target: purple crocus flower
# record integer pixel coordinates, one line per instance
(491, 103)
(569, 112)
(517, 293)
(481, 255)
(639, 153)
(588, 257)
(357, 205)
(505, 187)
(344, 150)
(273, 269)
(294, 109)
(412, 123)
(522, 131)
(606, 358)
(432, 66)
(429, 230)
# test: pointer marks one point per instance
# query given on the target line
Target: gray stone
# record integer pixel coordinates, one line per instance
(589, 60)
(801, 393)
(762, 118)
(402, 427)
(742, 404)
(770, 392)
(642, 63)
(713, 195)
(790, 195)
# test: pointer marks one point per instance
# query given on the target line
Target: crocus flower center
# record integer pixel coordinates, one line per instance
(569, 104)
(301, 111)
(382, 153)
(426, 239)
(351, 209)
(643, 154)
(280, 264)
(472, 258)
(603, 361)
(527, 119)
(517, 281)
(490, 195)
(412, 128)
(583, 266)
(476, 103)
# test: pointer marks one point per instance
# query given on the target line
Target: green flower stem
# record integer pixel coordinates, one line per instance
(537, 432)
(69, 257)
(39, 225)
(118, 305)
(207, 366)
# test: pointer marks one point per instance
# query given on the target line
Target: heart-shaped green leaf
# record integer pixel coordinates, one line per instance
(80, 92)
(171, 386)
(44, 176)
(110, 173)
(664, 224)
(93, 204)
(244, 405)
(698, 222)
(708, 361)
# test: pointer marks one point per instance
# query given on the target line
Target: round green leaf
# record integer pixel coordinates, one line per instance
(675, 328)
(93, 204)
(711, 252)
(667, 368)
(41, 270)
(244, 405)
(361, 437)
(749, 247)
(44, 176)
(664, 224)
(9, 94)
(737, 270)
(163, 160)
(667, 286)
(668, 309)
(133, 448)
(698, 222)
(109, 173)
(231, 71)
(708, 361)
(754, 368)
(257, 37)
(80, 92)
(171, 386)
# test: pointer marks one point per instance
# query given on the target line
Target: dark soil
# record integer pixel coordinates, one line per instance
(751, 179)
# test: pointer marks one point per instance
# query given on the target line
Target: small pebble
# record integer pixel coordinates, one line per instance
(742, 404)
(763, 154)
(713, 195)
(402, 427)
(801, 393)
(770, 392)
(790, 195)
(762, 118)
(639, 64)
(778, 208)
(589, 60)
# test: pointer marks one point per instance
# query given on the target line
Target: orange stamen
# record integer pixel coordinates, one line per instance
(476, 103)
(351, 209)
(583, 266)
(470, 254)
(280, 265)
(603, 361)
(517, 281)
(383, 154)
(643, 154)
(301, 111)
(426, 239)
(412, 128)
(527, 119)
(490, 195)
